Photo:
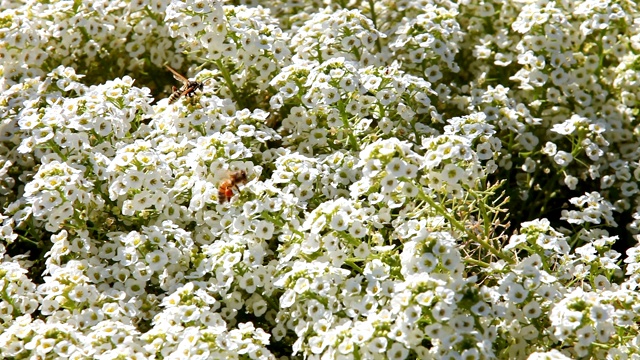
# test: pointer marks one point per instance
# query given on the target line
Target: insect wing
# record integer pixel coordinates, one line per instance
(188, 90)
(177, 75)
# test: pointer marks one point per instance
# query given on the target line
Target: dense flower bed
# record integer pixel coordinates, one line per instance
(426, 179)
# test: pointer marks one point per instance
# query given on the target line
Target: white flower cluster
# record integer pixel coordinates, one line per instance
(362, 180)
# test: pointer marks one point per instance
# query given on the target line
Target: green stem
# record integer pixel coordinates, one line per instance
(26, 239)
(227, 78)
(374, 20)
(345, 122)
(277, 222)
(476, 262)
(352, 264)
(441, 210)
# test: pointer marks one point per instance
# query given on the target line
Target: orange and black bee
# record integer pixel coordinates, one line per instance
(235, 178)
(187, 89)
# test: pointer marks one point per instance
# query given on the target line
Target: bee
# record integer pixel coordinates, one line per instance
(235, 178)
(188, 88)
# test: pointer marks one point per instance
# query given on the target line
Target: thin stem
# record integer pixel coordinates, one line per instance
(227, 78)
(441, 210)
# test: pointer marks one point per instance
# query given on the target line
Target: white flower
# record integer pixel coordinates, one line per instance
(586, 335)
(549, 355)
(264, 229)
(396, 167)
(79, 293)
(287, 299)
(442, 312)
(361, 332)
(42, 134)
(339, 221)
(563, 158)
(157, 260)
(378, 344)
(248, 283)
(452, 174)
(571, 182)
(358, 231)
(302, 285)
(135, 287)
(550, 149)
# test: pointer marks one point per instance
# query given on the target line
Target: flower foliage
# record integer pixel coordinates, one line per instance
(424, 179)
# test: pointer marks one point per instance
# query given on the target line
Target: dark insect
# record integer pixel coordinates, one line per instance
(188, 88)
(225, 191)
